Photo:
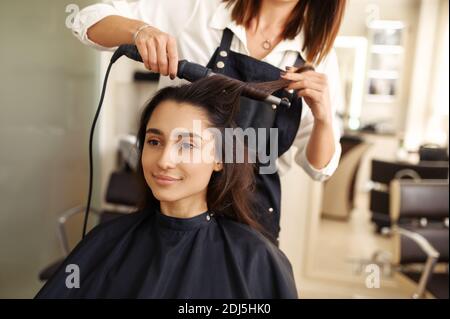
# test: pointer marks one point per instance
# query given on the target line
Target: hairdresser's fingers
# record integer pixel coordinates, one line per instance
(291, 69)
(161, 51)
(310, 93)
(306, 84)
(152, 57)
(316, 76)
(311, 75)
(172, 55)
(142, 48)
(301, 69)
(313, 87)
(156, 42)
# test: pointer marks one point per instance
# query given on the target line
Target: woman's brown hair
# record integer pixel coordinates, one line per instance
(320, 21)
(229, 192)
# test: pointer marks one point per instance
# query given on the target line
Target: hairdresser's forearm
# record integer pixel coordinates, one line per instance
(113, 31)
(321, 145)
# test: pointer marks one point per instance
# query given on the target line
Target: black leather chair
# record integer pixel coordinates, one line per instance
(123, 190)
(423, 236)
(383, 172)
(431, 152)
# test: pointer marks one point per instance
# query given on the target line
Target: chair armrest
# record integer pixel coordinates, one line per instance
(62, 220)
(432, 258)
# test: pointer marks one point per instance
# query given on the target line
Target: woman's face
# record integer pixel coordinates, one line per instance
(178, 153)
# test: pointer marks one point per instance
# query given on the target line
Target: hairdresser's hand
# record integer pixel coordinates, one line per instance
(158, 51)
(313, 87)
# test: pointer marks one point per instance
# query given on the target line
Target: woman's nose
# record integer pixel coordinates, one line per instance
(167, 159)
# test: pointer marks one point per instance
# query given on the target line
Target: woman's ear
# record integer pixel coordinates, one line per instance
(218, 166)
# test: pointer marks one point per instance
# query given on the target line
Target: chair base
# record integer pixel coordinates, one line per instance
(437, 286)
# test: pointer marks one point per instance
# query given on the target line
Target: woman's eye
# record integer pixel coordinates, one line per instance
(153, 142)
(187, 146)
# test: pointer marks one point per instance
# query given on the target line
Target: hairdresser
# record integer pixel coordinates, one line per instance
(252, 41)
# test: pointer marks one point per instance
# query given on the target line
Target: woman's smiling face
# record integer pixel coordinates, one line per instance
(177, 157)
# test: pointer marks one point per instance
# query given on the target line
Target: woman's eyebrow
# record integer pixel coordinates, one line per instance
(154, 131)
(176, 134)
(188, 134)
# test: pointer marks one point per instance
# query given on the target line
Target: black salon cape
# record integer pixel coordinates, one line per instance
(150, 255)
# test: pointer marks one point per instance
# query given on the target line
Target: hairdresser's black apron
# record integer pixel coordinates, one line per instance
(258, 114)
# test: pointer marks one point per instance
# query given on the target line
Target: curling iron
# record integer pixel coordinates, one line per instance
(187, 70)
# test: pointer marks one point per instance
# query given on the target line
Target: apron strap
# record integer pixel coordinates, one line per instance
(227, 36)
(220, 57)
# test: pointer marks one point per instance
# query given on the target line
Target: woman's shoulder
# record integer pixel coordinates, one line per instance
(249, 238)
(268, 272)
(91, 254)
(117, 225)
(105, 236)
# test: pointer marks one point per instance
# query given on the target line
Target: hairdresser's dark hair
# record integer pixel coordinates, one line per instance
(319, 19)
(229, 192)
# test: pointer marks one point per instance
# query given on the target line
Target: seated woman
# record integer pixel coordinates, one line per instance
(195, 235)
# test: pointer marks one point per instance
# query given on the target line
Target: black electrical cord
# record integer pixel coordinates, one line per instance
(91, 138)
(131, 52)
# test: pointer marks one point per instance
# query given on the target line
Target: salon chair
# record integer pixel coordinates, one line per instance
(432, 152)
(383, 172)
(421, 241)
(123, 192)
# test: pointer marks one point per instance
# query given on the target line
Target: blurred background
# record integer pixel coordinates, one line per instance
(377, 229)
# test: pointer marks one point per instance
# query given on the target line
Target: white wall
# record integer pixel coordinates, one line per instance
(47, 95)
(427, 113)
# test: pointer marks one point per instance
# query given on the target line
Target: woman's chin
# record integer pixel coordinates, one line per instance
(165, 196)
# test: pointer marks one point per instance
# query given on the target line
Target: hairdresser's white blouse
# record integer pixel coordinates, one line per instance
(197, 26)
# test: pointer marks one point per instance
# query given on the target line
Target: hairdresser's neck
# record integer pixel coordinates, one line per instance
(274, 13)
(185, 208)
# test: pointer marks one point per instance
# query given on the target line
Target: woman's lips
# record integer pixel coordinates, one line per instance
(165, 180)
